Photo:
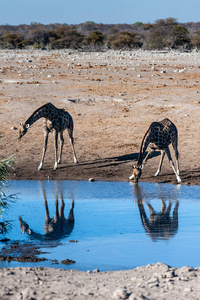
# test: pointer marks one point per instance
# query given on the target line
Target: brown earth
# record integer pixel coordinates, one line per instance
(113, 97)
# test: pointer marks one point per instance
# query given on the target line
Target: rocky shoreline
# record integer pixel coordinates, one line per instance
(157, 281)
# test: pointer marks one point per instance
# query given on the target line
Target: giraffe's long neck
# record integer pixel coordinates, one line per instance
(41, 112)
(142, 149)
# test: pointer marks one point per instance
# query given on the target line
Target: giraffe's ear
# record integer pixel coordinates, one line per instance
(27, 126)
(21, 124)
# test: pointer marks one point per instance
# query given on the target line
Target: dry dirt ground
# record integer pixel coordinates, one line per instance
(152, 282)
(113, 97)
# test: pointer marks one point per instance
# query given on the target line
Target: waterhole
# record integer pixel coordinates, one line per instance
(104, 225)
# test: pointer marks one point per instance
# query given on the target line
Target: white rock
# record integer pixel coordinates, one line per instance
(120, 294)
(91, 179)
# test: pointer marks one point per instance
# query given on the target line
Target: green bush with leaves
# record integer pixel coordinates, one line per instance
(4, 199)
(196, 39)
(180, 36)
(96, 38)
(163, 33)
(13, 40)
(65, 37)
(124, 39)
(159, 35)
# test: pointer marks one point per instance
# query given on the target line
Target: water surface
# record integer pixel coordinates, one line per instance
(106, 225)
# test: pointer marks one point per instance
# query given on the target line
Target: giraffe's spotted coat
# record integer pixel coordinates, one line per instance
(56, 120)
(158, 137)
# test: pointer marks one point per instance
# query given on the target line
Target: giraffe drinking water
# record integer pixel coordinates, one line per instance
(56, 120)
(158, 137)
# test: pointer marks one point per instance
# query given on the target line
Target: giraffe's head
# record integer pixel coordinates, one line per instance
(23, 130)
(137, 172)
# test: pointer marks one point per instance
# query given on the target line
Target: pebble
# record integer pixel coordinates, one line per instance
(120, 294)
(96, 271)
(91, 179)
(137, 297)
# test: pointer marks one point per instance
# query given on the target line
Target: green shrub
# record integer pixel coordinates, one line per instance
(124, 39)
(196, 39)
(95, 38)
(180, 36)
(166, 33)
(65, 37)
(4, 200)
(13, 40)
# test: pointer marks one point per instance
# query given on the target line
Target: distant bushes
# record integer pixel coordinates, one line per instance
(96, 38)
(164, 33)
(13, 40)
(65, 37)
(167, 34)
(124, 39)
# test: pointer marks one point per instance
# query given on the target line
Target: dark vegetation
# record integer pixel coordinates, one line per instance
(163, 34)
(5, 225)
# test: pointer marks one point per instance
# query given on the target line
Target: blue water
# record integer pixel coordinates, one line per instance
(112, 223)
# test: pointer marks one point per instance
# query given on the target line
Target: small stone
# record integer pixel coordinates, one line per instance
(96, 271)
(91, 179)
(67, 261)
(120, 294)
(188, 289)
(136, 297)
(13, 128)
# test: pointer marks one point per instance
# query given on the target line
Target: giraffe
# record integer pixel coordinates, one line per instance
(158, 137)
(54, 228)
(56, 120)
(158, 224)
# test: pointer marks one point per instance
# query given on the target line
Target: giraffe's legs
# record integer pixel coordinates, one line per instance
(47, 217)
(56, 151)
(62, 206)
(147, 156)
(56, 217)
(70, 132)
(46, 134)
(71, 212)
(172, 165)
(175, 146)
(163, 207)
(61, 146)
(160, 164)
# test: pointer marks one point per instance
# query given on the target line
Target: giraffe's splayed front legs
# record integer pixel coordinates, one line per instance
(70, 132)
(46, 134)
(160, 164)
(61, 146)
(56, 151)
(172, 165)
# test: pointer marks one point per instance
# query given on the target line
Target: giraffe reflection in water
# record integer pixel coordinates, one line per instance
(54, 228)
(159, 225)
